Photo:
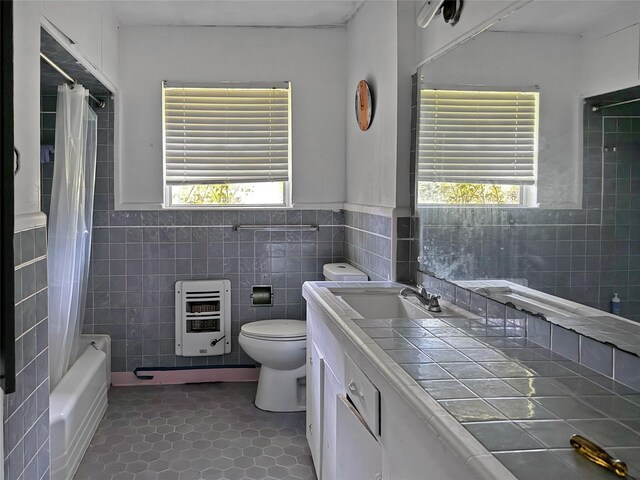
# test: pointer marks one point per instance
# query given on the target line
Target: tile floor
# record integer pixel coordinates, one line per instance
(195, 432)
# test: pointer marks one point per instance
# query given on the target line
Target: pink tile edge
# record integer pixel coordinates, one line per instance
(177, 377)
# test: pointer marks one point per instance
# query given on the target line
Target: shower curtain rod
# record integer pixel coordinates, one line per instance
(595, 108)
(69, 78)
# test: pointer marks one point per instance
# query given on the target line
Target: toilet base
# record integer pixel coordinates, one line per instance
(279, 390)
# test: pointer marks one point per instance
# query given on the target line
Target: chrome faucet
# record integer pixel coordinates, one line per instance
(427, 300)
(419, 292)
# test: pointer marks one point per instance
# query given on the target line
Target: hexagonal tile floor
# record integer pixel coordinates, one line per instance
(195, 432)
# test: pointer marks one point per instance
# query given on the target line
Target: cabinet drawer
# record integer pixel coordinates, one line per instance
(363, 394)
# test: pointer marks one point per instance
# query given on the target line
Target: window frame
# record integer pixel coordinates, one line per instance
(287, 202)
(528, 193)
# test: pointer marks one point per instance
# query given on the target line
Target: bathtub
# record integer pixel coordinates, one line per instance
(77, 404)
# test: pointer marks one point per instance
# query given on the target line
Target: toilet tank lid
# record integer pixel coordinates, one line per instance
(343, 272)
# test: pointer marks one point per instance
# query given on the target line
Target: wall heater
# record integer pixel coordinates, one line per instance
(203, 317)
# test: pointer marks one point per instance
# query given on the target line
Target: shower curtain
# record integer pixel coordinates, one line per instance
(70, 222)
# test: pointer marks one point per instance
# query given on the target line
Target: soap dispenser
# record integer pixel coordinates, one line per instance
(614, 304)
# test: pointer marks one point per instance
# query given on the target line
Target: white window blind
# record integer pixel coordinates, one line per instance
(478, 137)
(229, 134)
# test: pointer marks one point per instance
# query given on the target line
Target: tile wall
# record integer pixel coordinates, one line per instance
(26, 412)
(47, 138)
(584, 255)
(369, 243)
(405, 271)
(138, 256)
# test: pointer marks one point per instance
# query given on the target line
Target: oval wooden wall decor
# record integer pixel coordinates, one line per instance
(364, 105)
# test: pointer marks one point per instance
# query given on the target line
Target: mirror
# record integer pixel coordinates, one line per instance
(528, 160)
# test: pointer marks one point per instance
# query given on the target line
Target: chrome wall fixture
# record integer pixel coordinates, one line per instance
(597, 108)
(69, 78)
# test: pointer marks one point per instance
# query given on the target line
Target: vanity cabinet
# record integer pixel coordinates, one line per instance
(340, 437)
(359, 426)
(360, 453)
(315, 382)
(331, 442)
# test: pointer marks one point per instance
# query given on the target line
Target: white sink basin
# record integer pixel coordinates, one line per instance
(381, 304)
(386, 303)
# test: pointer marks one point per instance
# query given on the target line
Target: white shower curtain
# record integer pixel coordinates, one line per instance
(70, 222)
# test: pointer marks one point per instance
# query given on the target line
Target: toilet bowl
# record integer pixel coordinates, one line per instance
(280, 347)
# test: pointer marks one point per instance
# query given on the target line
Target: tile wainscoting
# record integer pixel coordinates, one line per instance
(26, 412)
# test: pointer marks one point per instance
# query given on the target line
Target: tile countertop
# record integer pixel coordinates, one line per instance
(520, 401)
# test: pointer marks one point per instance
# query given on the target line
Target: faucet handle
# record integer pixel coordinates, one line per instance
(434, 305)
(423, 291)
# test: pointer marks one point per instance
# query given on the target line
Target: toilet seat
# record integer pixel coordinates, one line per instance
(275, 330)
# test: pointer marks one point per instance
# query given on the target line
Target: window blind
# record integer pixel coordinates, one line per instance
(478, 137)
(230, 134)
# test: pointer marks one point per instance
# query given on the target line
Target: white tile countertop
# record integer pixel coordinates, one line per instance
(490, 393)
(588, 321)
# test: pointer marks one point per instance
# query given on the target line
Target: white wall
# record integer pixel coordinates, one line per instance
(314, 60)
(406, 68)
(93, 40)
(373, 56)
(439, 36)
(26, 98)
(612, 61)
(27, 19)
(521, 60)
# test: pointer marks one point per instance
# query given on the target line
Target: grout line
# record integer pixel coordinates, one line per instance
(32, 295)
(27, 331)
(369, 232)
(16, 411)
(30, 262)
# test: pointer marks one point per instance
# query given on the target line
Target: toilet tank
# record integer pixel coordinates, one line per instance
(343, 272)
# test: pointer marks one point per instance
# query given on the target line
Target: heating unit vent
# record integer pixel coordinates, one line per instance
(203, 317)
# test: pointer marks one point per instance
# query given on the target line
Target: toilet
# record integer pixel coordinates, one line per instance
(343, 272)
(280, 347)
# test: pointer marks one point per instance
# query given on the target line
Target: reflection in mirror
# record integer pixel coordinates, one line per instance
(528, 162)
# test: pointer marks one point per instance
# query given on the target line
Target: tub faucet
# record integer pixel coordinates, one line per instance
(419, 292)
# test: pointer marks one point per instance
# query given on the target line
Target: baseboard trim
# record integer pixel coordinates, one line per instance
(180, 377)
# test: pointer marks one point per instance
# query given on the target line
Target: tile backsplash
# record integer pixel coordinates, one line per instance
(368, 243)
(560, 336)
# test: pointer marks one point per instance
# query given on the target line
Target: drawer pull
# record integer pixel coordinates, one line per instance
(353, 388)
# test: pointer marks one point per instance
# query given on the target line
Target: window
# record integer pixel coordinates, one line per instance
(477, 147)
(227, 144)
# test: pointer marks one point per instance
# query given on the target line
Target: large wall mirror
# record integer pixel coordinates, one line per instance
(528, 159)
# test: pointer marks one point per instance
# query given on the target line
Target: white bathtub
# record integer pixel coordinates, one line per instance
(77, 404)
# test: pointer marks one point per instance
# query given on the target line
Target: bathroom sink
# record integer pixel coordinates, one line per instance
(381, 304)
(384, 303)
